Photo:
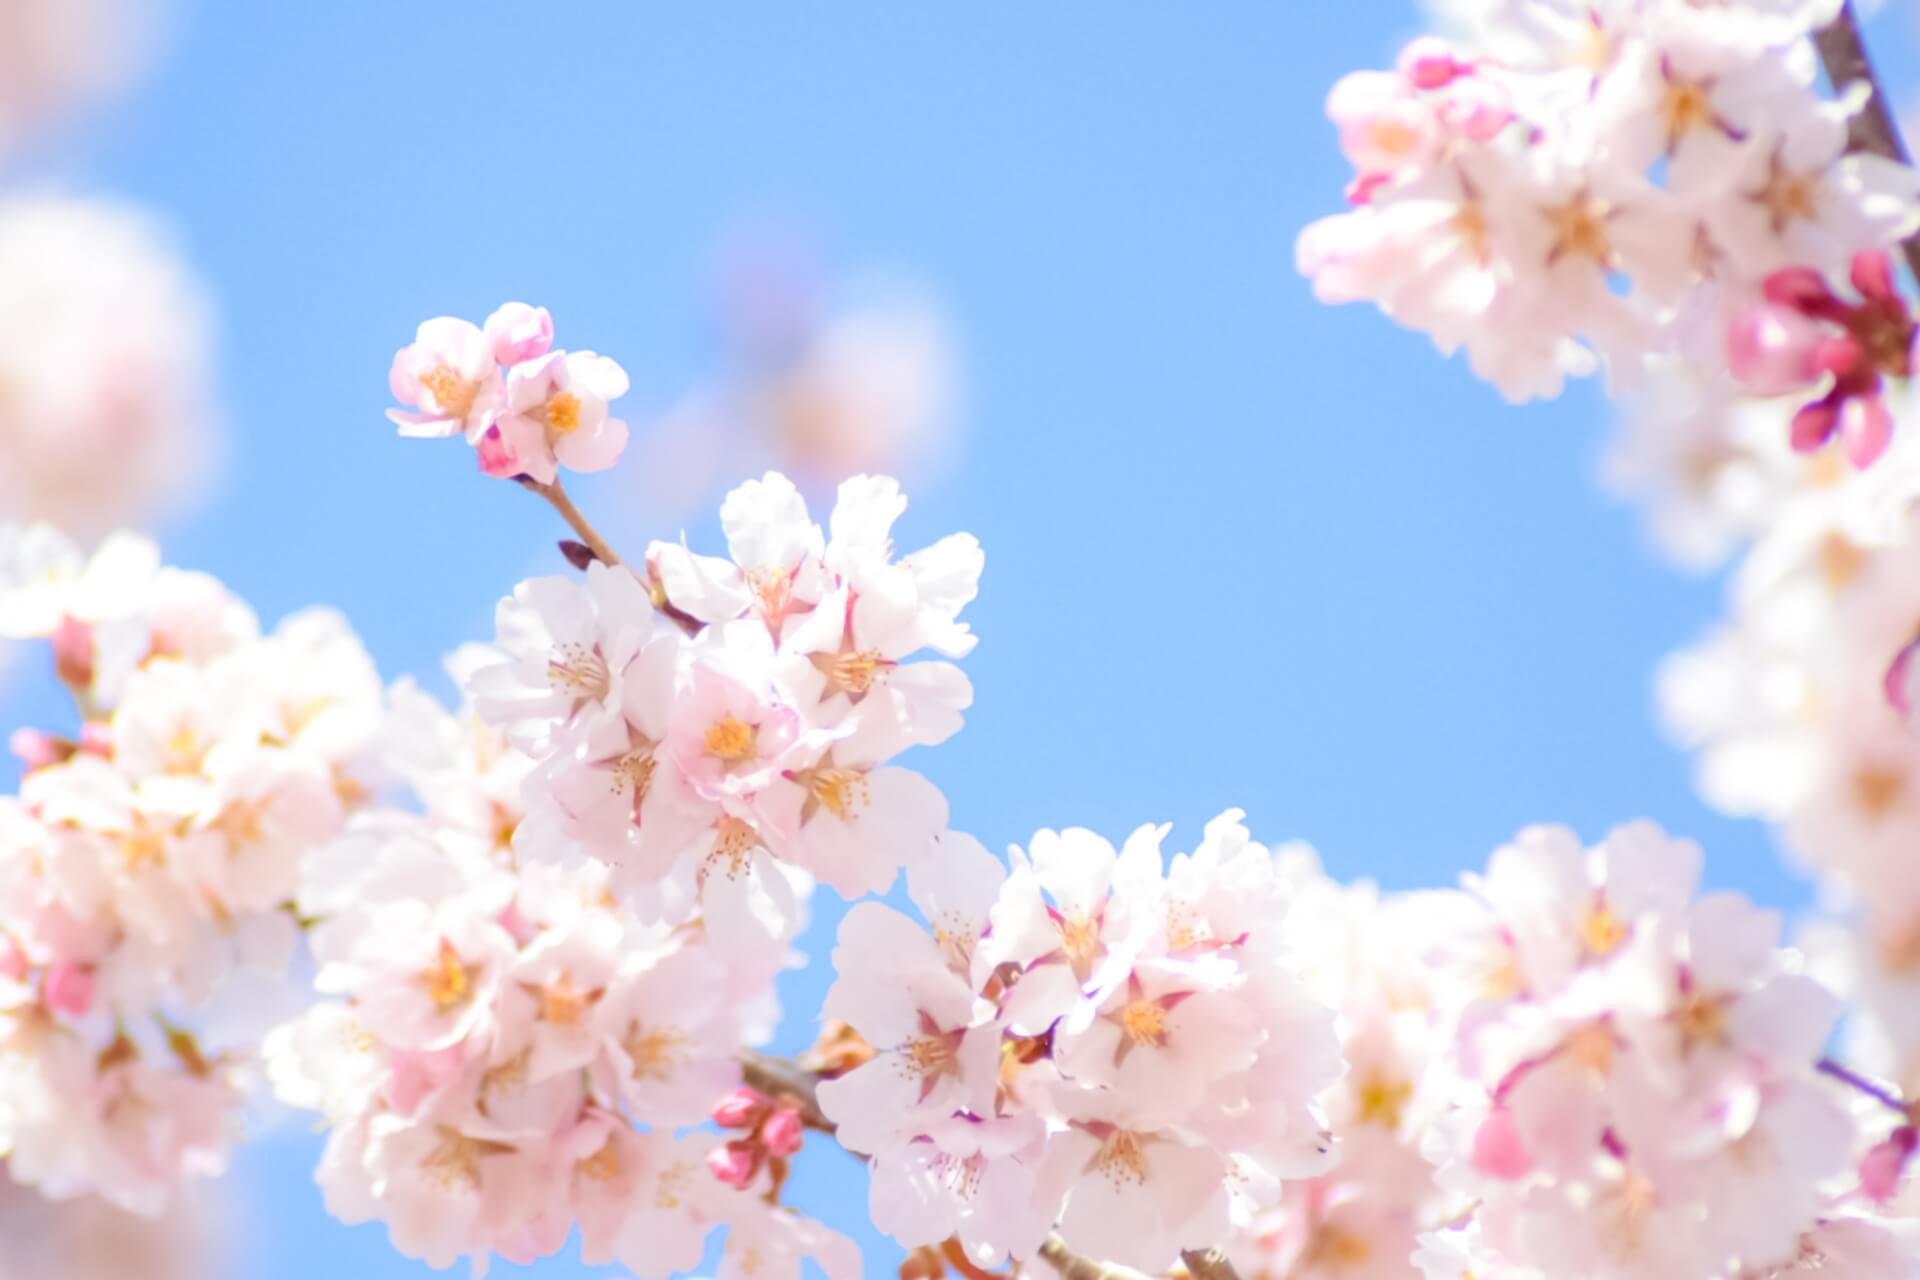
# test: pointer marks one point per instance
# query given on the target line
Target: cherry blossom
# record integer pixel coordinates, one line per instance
(107, 418)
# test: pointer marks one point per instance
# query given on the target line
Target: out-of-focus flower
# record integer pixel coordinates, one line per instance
(57, 56)
(88, 1239)
(104, 400)
(818, 384)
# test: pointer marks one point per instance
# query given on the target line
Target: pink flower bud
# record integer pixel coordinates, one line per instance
(1477, 109)
(783, 1132)
(734, 1164)
(1882, 1167)
(1771, 349)
(1497, 1149)
(69, 989)
(1814, 425)
(1866, 428)
(1872, 275)
(740, 1109)
(96, 738)
(495, 458)
(73, 653)
(1428, 63)
(37, 749)
(518, 332)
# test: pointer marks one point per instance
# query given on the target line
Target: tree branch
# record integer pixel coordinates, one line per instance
(557, 497)
(1872, 130)
(778, 1078)
(1072, 1266)
(1209, 1264)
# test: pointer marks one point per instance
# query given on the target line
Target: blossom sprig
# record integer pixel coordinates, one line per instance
(526, 408)
(724, 763)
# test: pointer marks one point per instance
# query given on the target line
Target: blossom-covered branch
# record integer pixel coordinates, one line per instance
(1873, 128)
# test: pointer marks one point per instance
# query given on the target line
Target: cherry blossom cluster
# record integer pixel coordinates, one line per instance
(1799, 702)
(526, 408)
(510, 1048)
(1102, 1043)
(1636, 1069)
(149, 861)
(1571, 184)
(723, 728)
(1361, 954)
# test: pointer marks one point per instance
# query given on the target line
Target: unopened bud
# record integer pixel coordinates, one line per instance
(1881, 1168)
(73, 653)
(38, 749)
(734, 1164)
(578, 554)
(740, 1109)
(783, 1132)
(69, 989)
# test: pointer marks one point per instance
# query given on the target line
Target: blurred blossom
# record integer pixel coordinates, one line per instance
(104, 395)
(819, 383)
(60, 55)
(88, 1239)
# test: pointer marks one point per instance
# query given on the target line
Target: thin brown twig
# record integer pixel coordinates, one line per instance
(1208, 1264)
(1072, 1266)
(556, 496)
(778, 1078)
(1872, 129)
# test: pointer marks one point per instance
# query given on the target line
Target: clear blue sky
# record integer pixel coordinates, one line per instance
(1242, 550)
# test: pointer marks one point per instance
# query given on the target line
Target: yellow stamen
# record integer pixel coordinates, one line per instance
(453, 393)
(1579, 228)
(1601, 931)
(1877, 789)
(653, 1053)
(563, 413)
(1144, 1022)
(1382, 1100)
(446, 978)
(732, 739)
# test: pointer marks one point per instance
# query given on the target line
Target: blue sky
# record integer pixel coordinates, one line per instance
(1242, 550)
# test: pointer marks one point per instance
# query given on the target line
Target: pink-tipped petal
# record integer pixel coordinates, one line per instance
(1814, 425)
(1428, 63)
(1801, 288)
(1497, 1149)
(1897, 683)
(1882, 1167)
(740, 1109)
(518, 332)
(69, 989)
(734, 1164)
(1866, 429)
(1872, 274)
(782, 1132)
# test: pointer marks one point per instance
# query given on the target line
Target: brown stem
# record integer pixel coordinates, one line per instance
(1872, 129)
(778, 1078)
(1208, 1264)
(1072, 1266)
(557, 497)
